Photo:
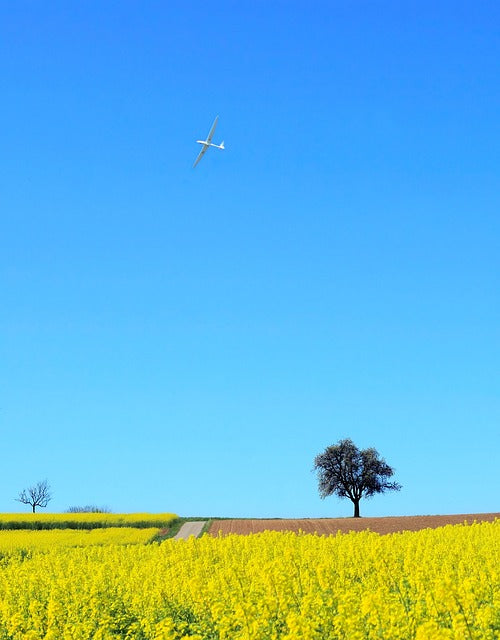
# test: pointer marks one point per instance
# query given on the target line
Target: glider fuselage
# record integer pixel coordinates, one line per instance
(208, 143)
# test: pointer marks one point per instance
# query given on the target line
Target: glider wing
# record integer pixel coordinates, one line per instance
(210, 135)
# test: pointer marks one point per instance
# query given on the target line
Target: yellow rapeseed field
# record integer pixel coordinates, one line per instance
(435, 584)
(40, 540)
(84, 520)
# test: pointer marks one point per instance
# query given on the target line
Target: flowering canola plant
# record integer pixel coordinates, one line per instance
(83, 520)
(41, 540)
(439, 584)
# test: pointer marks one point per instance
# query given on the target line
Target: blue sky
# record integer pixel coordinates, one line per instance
(189, 340)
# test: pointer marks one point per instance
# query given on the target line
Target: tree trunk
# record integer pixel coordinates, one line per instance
(356, 508)
(33, 508)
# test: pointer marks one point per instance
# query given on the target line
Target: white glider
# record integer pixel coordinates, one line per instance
(208, 143)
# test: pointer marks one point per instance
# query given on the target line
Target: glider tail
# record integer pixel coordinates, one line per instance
(222, 145)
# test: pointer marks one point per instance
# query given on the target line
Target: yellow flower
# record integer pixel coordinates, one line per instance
(437, 584)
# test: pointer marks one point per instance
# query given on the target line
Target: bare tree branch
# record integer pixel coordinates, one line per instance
(38, 495)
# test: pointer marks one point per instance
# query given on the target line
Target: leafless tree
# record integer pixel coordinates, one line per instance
(37, 496)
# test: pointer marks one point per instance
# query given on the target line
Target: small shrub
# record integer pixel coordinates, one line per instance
(89, 508)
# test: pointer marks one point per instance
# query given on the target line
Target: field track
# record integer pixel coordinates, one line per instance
(327, 526)
(188, 529)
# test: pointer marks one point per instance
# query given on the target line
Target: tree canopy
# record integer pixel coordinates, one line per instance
(348, 472)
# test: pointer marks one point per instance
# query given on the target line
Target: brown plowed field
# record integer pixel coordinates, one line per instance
(327, 526)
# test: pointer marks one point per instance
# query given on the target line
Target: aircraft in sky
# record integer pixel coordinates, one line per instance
(208, 143)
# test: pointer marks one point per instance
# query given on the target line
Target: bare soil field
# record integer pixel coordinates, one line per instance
(328, 526)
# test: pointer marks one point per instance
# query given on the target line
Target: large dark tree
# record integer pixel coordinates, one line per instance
(37, 496)
(348, 472)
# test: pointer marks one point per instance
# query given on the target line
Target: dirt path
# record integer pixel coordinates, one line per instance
(328, 526)
(189, 529)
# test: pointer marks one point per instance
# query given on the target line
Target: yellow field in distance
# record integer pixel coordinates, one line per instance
(83, 520)
(34, 540)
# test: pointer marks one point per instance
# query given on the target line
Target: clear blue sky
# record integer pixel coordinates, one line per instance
(188, 340)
